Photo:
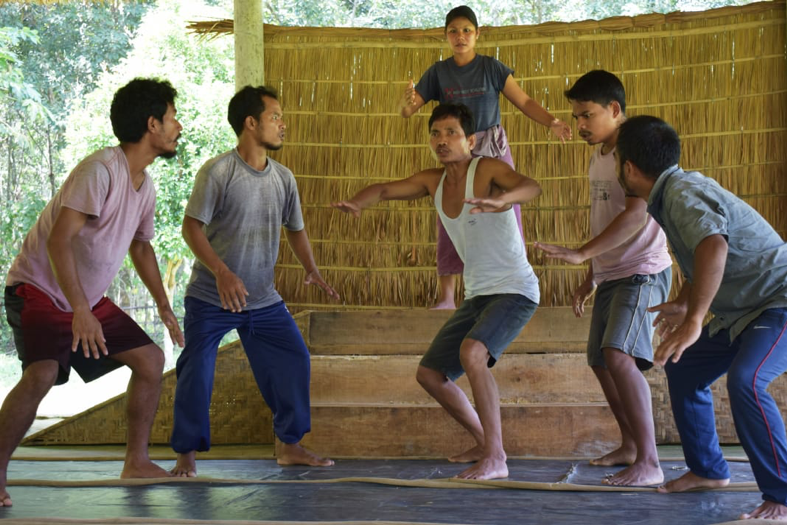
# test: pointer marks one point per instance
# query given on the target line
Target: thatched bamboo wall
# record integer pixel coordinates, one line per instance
(719, 77)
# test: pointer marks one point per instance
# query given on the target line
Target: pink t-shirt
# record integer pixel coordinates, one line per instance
(645, 252)
(100, 187)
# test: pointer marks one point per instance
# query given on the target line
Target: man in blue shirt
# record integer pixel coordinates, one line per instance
(735, 265)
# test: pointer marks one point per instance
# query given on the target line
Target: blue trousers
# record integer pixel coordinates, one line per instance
(754, 359)
(279, 361)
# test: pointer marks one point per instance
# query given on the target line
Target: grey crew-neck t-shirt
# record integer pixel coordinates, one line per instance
(243, 211)
(477, 85)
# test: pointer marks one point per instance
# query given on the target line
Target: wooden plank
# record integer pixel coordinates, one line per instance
(518, 346)
(521, 379)
(427, 431)
(418, 327)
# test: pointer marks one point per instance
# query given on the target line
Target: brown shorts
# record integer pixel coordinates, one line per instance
(42, 331)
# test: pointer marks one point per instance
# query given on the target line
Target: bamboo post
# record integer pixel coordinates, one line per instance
(249, 44)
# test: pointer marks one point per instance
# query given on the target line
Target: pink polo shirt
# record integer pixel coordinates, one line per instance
(100, 187)
(645, 252)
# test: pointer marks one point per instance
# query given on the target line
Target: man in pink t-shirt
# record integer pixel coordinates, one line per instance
(54, 293)
(630, 272)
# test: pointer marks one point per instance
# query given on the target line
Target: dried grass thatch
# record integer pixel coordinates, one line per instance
(719, 77)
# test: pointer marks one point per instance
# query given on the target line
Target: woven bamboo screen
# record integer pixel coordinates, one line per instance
(719, 77)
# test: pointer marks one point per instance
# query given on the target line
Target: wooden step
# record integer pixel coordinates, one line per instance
(577, 430)
(521, 379)
(409, 332)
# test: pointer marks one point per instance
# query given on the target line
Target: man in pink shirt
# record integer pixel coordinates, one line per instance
(54, 289)
(630, 271)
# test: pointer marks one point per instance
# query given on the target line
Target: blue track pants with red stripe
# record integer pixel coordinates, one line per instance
(754, 359)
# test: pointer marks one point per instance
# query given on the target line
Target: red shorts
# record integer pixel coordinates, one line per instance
(43, 331)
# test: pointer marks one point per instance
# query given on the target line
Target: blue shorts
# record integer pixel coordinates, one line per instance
(494, 320)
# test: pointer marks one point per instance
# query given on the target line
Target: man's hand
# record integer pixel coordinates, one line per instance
(561, 252)
(87, 330)
(314, 277)
(232, 291)
(348, 207)
(677, 342)
(486, 205)
(671, 315)
(167, 316)
(581, 295)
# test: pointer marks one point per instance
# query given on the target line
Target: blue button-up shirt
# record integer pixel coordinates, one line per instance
(691, 207)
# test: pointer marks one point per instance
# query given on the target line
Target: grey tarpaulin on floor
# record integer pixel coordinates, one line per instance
(401, 491)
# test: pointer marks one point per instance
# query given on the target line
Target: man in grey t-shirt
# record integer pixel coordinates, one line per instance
(735, 265)
(240, 201)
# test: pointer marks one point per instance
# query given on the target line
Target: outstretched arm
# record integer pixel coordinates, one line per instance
(710, 259)
(411, 188)
(299, 242)
(627, 223)
(232, 291)
(534, 111)
(144, 258)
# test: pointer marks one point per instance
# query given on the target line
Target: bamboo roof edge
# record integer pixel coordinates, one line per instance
(212, 28)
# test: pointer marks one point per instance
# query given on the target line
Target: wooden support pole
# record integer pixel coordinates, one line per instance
(249, 44)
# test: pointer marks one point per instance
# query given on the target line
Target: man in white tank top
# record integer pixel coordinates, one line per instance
(473, 198)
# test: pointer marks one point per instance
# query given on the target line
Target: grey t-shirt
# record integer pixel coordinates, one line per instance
(477, 85)
(690, 207)
(243, 210)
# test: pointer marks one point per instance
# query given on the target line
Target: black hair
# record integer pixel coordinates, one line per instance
(599, 86)
(459, 111)
(461, 11)
(135, 103)
(649, 143)
(248, 103)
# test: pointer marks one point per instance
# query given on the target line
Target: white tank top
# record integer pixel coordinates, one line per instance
(491, 247)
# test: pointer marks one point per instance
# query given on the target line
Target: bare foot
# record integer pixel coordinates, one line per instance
(486, 468)
(767, 511)
(5, 498)
(186, 465)
(637, 475)
(468, 456)
(690, 481)
(619, 456)
(444, 305)
(297, 455)
(146, 469)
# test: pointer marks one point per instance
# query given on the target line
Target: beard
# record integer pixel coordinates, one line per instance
(168, 154)
(273, 147)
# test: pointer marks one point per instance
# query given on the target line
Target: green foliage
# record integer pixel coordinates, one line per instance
(20, 102)
(41, 77)
(202, 71)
